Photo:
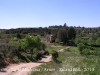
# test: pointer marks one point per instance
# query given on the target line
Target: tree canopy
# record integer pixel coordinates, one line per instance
(71, 33)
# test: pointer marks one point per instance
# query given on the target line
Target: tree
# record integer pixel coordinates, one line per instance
(62, 35)
(18, 36)
(71, 33)
(32, 44)
(65, 25)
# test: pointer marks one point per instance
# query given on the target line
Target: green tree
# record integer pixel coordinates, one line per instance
(71, 33)
(18, 36)
(32, 44)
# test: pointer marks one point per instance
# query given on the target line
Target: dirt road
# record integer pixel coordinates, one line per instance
(24, 68)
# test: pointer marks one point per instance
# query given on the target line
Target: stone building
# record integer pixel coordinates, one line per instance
(50, 38)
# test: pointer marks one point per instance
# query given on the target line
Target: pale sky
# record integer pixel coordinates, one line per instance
(36, 13)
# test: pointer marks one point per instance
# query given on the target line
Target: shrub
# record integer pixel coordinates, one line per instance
(86, 51)
(56, 41)
(54, 55)
(15, 39)
(16, 59)
(43, 46)
(23, 56)
(18, 36)
(81, 46)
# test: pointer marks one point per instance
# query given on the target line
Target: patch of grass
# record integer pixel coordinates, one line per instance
(55, 48)
(84, 65)
(50, 67)
(74, 49)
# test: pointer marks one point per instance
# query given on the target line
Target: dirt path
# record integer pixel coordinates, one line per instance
(62, 50)
(24, 68)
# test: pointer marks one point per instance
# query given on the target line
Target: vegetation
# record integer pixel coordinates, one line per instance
(81, 65)
(21, 50)
(55, 56)
(86, 52)
(71, 33)
(62, 35)
(30, 44)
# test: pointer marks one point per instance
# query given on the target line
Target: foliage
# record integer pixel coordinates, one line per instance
(92, 41)
(86, 51)
(31, 42)
(16, 59)
(56, 41)
(15, 39)
(98, 41)
(71, 33)
(18, 36)
(81, 46)
(62, 35)
(77, 40)
(89, 65)
(42, 46)
(22, 50)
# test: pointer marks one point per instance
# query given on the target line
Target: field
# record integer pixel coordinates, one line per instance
(71, 63)
(73, 50)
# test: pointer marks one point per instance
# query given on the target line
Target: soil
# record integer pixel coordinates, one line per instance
(24, 68)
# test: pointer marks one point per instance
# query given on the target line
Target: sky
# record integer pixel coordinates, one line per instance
(43, 13)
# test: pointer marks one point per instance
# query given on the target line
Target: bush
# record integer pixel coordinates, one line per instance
(98, 41)
(18, 36)
(56, 41)
(32, 44)
(16, 59)
(43, 46)
(54, 55)
(15, 39)
(86, 51)
(22, 50)
(81, 46)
